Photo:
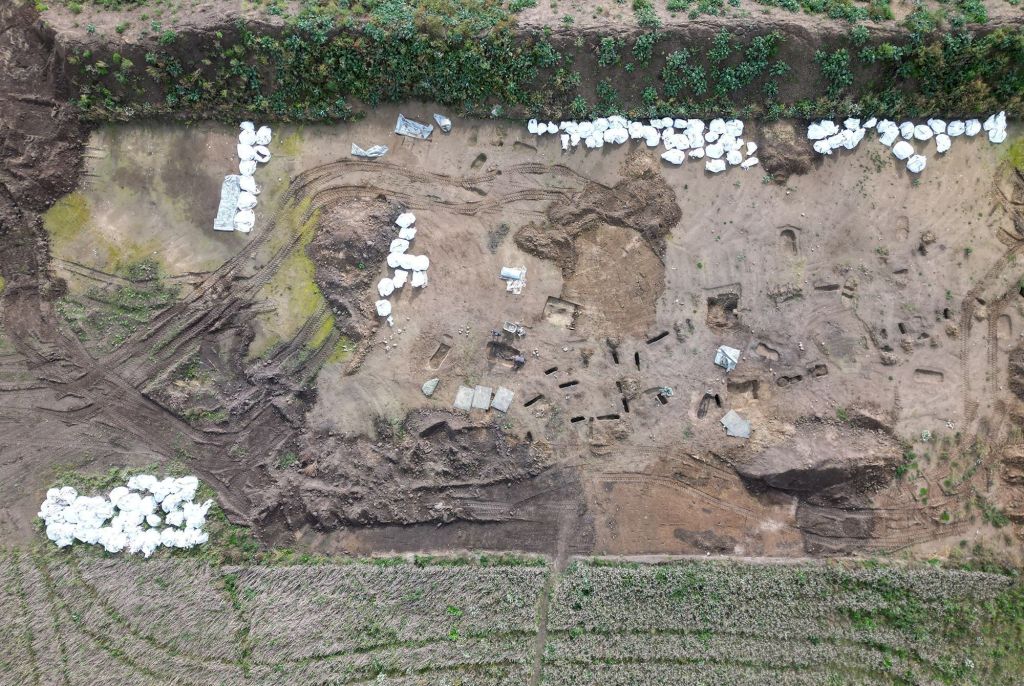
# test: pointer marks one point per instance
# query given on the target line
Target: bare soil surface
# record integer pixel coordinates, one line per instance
(879, 319)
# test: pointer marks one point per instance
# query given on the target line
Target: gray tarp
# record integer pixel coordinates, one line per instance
(408, 127)
(727, 357)
(371, 152)
(229, 191)
(735, 425)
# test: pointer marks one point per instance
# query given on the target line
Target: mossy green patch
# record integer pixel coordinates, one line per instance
(322, 333)
(342, 350)
(67, 218)
(291, 144)
(293, 288)
(1015, 154)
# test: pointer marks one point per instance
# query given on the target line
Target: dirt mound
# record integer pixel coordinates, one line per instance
(785, 151)
(350, 246)
(642, 202)
(412, 473)
(827, 463)
(548, 242)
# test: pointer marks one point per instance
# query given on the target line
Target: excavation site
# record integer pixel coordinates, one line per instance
(479, 342)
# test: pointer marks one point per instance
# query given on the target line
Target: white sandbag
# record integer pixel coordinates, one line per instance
(816, 132)
(734, 157)
(565, 141)
(942, 143)
(751, 148)
(399, 245)
(907, 130)
(937, 125)
(922, 132)
(245, 220)
(997, 135)
(552, 127)
(406, 261)
(245, 152)
(383, 308)
(711, 137)
(420, 263)
(916, 163)
(419, 280)
(385, 287)
(401, 276)
(696, 153)
(666, 122)
(393, 260)
(262, 154)
(972, 127)
(247, 167)
(870, 123)
(675, 157)
(600, 125)
(714, 151)
(956, 128)
(887, 137)
(246, 200)
(531, 126)
(652, 141)
(734, 127)
(246, 137)
(714, 166)
(717, 126)
(407, 234)
(405, 220)
(902, 150)
(248, 184)
(822, 147)
(749, 162)
(852, 124)
(247, 126)
(989, 123)
(616, 136)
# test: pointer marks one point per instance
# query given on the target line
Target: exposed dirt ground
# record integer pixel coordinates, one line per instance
(870, 308)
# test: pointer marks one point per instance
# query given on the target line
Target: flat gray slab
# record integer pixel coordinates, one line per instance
(482, 398)
(464, 398)
(429, 387)
(502, 399)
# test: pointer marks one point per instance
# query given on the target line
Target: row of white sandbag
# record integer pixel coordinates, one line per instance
(252, 149)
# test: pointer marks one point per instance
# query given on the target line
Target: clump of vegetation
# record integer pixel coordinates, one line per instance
(470, 54)
(835, 67)
(110, 314)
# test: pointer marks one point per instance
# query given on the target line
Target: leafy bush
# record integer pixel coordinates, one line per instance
(835, 67)
(608, 52)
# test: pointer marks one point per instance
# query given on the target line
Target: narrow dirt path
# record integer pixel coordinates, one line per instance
(561, 561)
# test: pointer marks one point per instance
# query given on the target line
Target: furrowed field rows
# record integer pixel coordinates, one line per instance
(881, 624)
(78, 618)
(300, 612)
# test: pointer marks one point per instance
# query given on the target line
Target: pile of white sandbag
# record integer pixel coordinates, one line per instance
(252, 149)
(828, 136)
(140, 517)
(720, 143)
(408, 268)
